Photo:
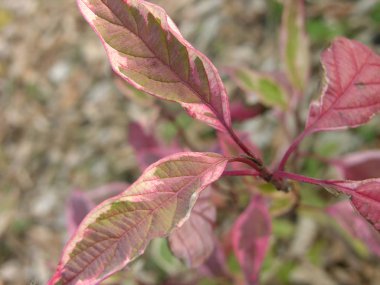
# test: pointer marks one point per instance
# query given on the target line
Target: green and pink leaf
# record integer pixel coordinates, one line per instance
(193, 242)
(295, 44)
(119, 229)
(147, 50)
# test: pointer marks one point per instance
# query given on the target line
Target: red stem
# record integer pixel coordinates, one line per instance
(263, 172)
(242, 146)
(306, 179)
(290, 150)
(246, 161)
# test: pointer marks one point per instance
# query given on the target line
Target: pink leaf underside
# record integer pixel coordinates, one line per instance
(146, 49)
(194, 240)
(80, 203)
(241, 112)
(365, 197)
(359, 166)
(353, 223)
(146, 147)
(229, 148)
(77, 207)
(139, 139)
(118, 230)
(215, 265)
(250, 238)
(352, 92)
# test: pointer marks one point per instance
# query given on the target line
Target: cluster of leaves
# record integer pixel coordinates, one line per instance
(173, 196)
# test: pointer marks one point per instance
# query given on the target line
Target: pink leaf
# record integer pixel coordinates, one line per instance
(139, 139)
(352, 93)
(80, 203)
(241, 112)
(360, 165)
(78, 206)
(194, 240)
(365, 197)
(250, 238)
(355, 225)
(351, 96)
(215, 265)
(146, 147)
(118, 230)
(146, 49)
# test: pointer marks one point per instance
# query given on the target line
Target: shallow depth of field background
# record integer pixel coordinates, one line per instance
(63, 123)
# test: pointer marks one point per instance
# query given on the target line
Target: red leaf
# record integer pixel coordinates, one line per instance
(250, 238)
(215, 265)
(365, 197)
(352, 93)
(146, 49)
(360, 165)
(146, 147)
(118, 230)
(353, 223)
(78, 206)
(241, 112)
(351, 96)
(139, 139)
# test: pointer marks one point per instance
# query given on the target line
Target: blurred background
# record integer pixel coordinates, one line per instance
(64, 126)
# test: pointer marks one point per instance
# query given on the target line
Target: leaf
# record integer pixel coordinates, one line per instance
(295, 44)
(194, 240)
(135, 95)
(352, 92)
(365, 197)
(353, 223)
(250, 238)
(215, 265)
(78, 206)
(139, 139)
(80, 203)
(147, 50)
(240, 112)
(360, 165)
(147, 148)
(265, 87)
(118, 230)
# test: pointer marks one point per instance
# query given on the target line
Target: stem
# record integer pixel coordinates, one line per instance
(305, 179)
(256, 163)
(240, 173)
(290, 150)
(263, 172)
(246, 161)
(243, 147)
